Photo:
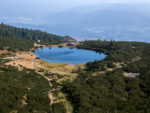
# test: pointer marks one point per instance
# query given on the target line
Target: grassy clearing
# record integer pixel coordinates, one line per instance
(58, 68)
(62, 98)
(52, 65)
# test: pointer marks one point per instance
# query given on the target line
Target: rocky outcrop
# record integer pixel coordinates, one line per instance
(68, 39)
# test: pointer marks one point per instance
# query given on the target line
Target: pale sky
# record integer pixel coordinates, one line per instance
(56, 5)
(25, 10)
(45, 13)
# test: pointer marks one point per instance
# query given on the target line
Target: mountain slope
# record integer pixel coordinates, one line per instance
(34, 35)
(128, 22)
(119, 22)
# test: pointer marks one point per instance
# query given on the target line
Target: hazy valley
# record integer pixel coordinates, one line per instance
(126, 22)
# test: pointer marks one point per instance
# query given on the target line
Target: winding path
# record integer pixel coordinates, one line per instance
(50, 95)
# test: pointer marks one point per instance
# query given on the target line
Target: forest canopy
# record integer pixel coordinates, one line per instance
(15, 44)
(96, 90)
(28, 34)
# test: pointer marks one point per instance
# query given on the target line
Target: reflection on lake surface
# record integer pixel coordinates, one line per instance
(68, 56)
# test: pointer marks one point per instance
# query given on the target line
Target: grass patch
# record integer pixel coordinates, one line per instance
(53, 65)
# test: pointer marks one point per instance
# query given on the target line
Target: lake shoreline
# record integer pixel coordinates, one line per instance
(65, 55)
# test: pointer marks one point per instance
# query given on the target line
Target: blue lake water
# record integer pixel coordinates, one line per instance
(68, 56)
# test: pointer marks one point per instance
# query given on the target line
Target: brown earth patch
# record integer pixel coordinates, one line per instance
(24, 59)
(131, 75)
(3, 51)
(136, 59)
(24, 101)
(14, 111)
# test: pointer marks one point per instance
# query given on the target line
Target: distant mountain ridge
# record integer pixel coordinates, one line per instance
(117, 22)
(120, 22)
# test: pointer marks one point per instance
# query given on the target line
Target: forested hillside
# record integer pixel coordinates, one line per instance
(27, 34)
(17, 88)
(103, 88)
(100, 87)
(15, 44)
(22, 90)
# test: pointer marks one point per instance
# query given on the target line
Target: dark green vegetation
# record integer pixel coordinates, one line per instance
(22, 91)
(15, 44)
(111, 92)
(58, 108)
(26, 34)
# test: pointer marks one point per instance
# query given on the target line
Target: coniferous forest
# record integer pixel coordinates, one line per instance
(27, 34)
(112, 92)
(14, 44)
(95, 90)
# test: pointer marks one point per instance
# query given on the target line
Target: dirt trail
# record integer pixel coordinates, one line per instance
(28, 60)
(50, 95)
(68, 106)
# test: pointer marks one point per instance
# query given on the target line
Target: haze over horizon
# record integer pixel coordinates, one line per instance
(92, 19)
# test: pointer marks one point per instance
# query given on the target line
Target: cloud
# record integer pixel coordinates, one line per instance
(22, 20)
(25, 19)
(44, 6)
(27, 11)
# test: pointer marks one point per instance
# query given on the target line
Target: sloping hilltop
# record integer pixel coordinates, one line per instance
(29, 84)
(118, 84)
(22, 90)
(28, 34)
